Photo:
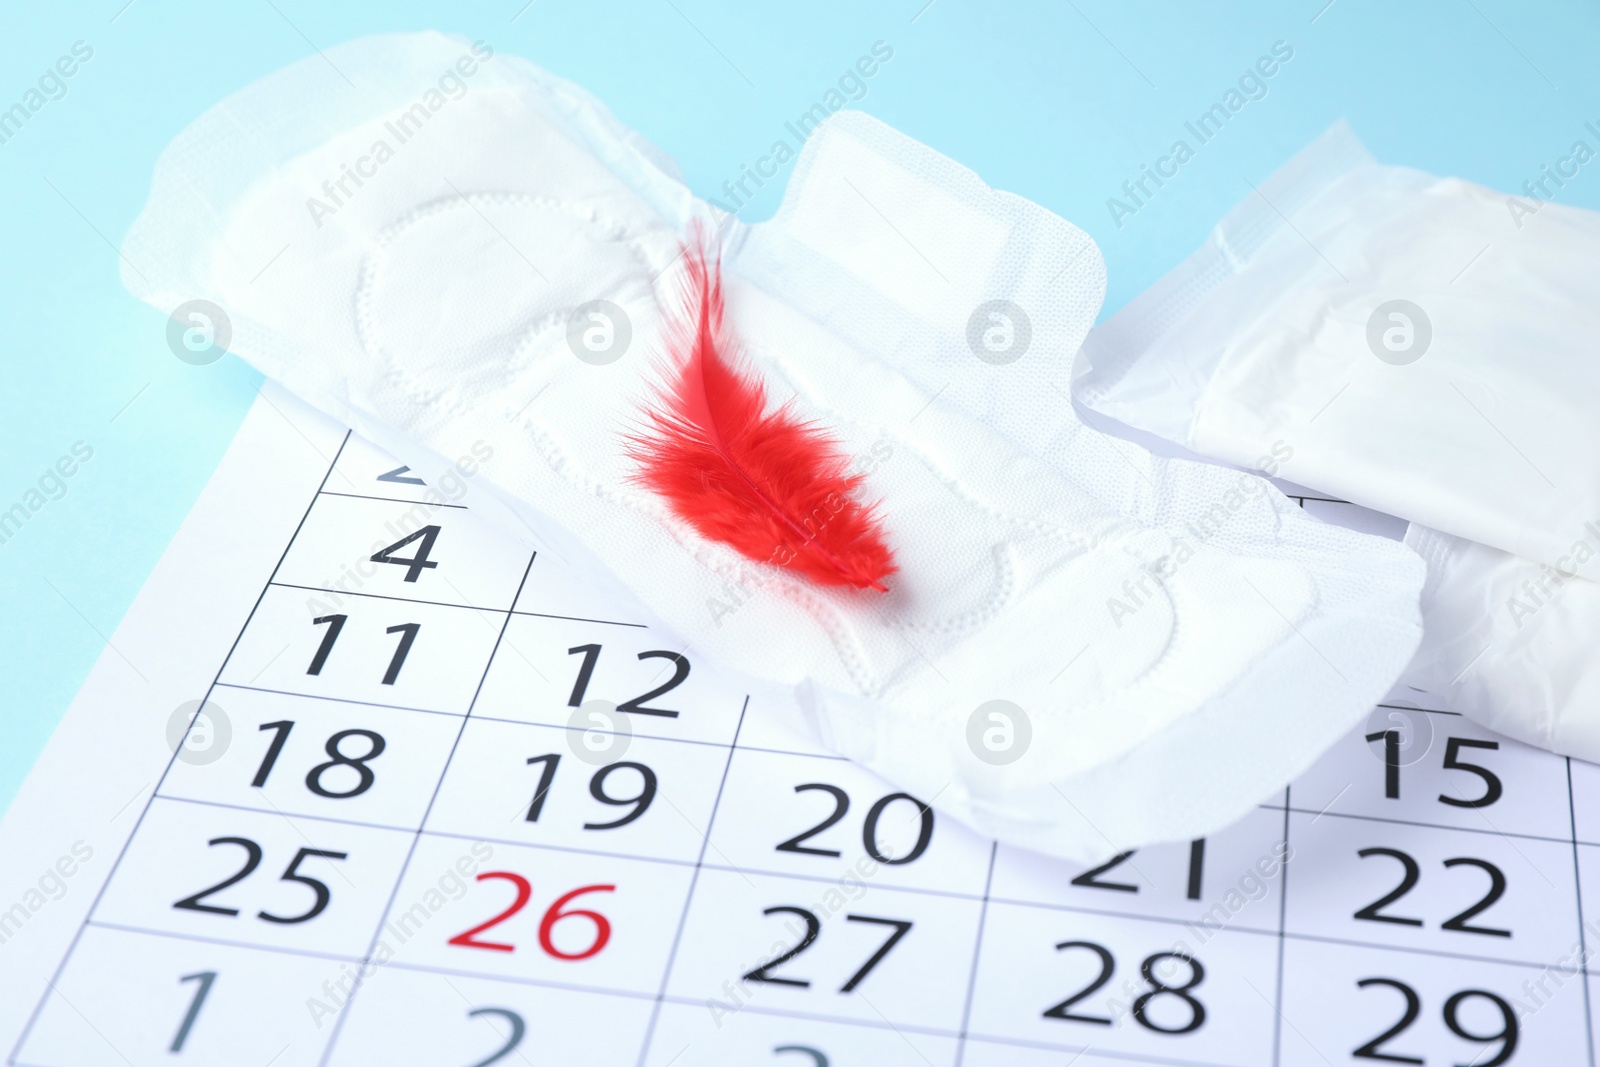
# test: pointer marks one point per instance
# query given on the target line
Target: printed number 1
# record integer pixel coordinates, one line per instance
(334, 623)
(203, 990)
(1391, 761)
(408, 634)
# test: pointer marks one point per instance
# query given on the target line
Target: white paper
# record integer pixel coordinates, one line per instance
(960, 951)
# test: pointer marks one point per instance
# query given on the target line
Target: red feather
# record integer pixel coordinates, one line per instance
(773, 487)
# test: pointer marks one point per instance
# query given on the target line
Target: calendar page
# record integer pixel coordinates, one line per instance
(362, 780)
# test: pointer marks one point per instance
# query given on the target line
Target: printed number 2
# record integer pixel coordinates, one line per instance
(512, 1040)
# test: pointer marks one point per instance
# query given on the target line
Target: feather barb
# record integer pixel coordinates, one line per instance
(772, 486)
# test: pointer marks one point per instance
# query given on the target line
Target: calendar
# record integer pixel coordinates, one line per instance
(364, 779)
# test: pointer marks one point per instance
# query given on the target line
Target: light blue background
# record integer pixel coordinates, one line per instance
(1059, 102)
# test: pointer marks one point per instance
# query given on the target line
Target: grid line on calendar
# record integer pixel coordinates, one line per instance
(1583, 936)
(752, 762)
(104, 885)
(522, 722)
(383, 918)
(688, 898)
(977, 947)
(1283, 908)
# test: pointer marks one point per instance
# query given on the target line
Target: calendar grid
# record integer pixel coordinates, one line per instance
(1283, 909)
(688, 898)
(372, 945)
(536, 725)
(1583, 933)
(1298, 938)
(451, 604)
(1505, 834)
(134, 832)
(977, 947)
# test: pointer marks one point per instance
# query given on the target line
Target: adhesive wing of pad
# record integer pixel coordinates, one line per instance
(470, 250)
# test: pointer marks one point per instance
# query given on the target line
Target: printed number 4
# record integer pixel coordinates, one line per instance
(414, 566)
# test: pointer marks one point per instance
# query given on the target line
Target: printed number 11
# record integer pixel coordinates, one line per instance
(335, 624)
